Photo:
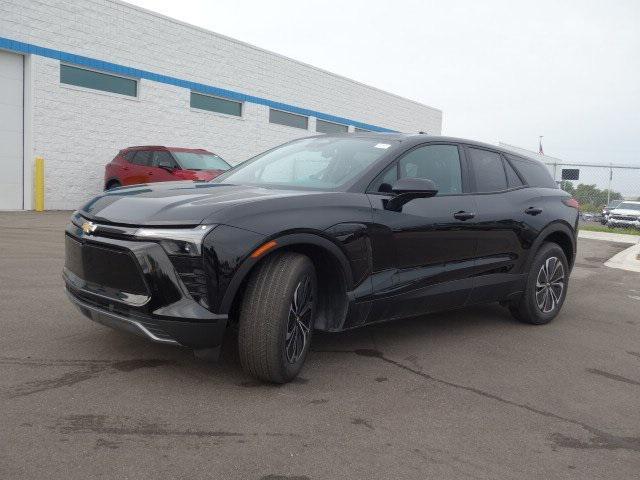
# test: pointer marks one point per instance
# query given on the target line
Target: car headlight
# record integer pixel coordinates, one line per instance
(177, 241)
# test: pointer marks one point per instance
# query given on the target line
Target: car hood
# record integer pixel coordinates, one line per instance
(200, 174)
(181, 203)
(625, 211)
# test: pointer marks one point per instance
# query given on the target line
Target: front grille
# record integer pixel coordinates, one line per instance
(627, 218)
(104, 265)
(191, 272)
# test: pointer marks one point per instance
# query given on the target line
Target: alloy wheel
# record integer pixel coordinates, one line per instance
(550, 285)
(299, 324)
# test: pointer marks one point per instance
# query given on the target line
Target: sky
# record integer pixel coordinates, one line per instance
(501, 71)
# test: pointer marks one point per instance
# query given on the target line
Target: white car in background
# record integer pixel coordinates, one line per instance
(627, 214)
(606, 211)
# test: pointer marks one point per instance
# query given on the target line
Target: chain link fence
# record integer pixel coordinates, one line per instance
(599, 189)
(594, 185)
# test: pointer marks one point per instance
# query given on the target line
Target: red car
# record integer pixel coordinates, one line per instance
(161, 164)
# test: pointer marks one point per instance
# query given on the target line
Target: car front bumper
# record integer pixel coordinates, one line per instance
(623, 223)
(134, 287)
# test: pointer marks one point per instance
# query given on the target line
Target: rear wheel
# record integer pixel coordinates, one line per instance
(277, 317)
(546, 286)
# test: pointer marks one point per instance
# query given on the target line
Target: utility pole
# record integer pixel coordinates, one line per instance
(609, 186)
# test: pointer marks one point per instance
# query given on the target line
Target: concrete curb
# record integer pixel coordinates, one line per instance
(625, 260)
(609, 237)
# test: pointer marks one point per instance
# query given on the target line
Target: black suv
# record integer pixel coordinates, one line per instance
(323, 233)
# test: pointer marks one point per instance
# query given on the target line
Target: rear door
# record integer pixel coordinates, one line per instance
(139, 167)
(424, 254)
(501, 198)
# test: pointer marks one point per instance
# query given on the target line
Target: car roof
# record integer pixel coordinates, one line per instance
(630, 201)
(411, 139)
(162, 147)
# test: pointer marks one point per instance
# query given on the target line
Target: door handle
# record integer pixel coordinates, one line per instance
(533, 211)
(462, 215)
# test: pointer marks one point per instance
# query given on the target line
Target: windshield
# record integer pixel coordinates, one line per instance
(200, 161)
(628, 206)
(320, 163)
(614, 203)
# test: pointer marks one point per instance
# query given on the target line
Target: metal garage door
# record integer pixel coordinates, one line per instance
(11, 98)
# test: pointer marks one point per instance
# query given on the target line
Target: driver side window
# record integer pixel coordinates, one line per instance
(162, 158)
(438, 163)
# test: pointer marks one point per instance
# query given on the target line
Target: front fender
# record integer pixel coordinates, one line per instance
(228, 262)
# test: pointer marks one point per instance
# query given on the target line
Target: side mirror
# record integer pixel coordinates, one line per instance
(166, 165)
(407, 189)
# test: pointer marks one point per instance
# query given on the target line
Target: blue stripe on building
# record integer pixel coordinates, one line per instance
(108, 67)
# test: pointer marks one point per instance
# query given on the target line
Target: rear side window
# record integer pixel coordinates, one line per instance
(512, 177)
(129, 155)
(534, 173)
(489, 170)
(143, 157)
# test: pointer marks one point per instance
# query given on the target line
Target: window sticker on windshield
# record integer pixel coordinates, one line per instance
(382, 145)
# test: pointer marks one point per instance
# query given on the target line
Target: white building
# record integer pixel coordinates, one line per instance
(81, 79)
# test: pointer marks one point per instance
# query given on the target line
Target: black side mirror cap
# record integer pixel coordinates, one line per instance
(407, 189)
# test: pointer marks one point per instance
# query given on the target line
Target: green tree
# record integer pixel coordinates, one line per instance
(591, 198)
(567, 186)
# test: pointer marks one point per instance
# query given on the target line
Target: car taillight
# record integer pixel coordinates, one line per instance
(571, 202)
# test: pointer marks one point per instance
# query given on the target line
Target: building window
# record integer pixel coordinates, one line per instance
(216, 104)
(81, 77)
(356, 129)
(323, 126)
(288, 119)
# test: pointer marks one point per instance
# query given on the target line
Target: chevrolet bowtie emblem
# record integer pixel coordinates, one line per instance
(89, 227)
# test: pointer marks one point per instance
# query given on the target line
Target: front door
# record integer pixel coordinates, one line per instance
(163, 165)
(424, 255)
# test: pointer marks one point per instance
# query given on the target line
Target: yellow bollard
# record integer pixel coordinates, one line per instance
(39, 184)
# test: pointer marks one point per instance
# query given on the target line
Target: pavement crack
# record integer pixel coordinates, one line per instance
(111, 427)
(613, 376)
(600, 439)
(87, 369)
(363, 422)
(99, 424)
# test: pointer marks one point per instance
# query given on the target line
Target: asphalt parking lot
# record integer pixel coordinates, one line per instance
(464, 394)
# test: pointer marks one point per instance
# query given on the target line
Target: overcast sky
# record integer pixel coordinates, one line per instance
(500, 70)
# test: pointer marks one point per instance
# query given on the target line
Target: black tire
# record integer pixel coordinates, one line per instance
(269, 334)
(542, 299)
(113, 184)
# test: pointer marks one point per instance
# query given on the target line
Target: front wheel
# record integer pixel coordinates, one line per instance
(277, 317)
(546, 286)
(113, 184)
